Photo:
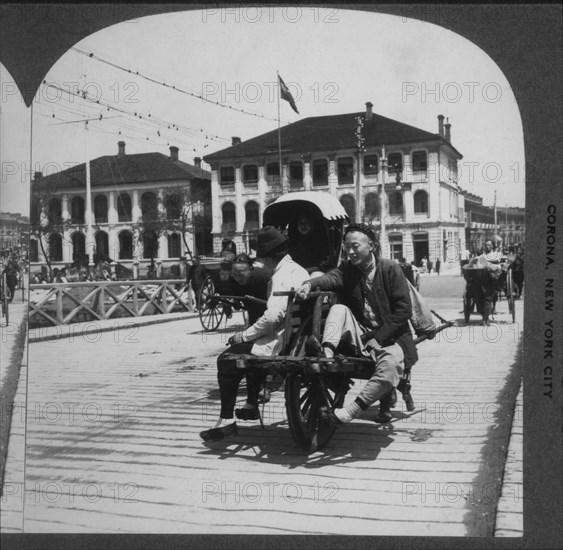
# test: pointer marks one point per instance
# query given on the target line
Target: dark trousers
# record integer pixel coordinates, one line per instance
(229, 377)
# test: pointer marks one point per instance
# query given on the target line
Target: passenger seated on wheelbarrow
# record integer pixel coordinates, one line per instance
(264, 337)
(251, 281)
(372, 320)
(308, 244)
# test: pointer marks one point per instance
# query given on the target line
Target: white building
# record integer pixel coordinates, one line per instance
(422, 205)
(125, 190)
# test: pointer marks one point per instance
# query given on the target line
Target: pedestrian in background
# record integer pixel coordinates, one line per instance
(429, 266)
(438, 265)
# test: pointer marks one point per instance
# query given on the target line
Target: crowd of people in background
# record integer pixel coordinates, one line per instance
(13, 263)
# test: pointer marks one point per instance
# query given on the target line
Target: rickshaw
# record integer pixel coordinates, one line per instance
(217, 296)
(311, 383)
(477, 280)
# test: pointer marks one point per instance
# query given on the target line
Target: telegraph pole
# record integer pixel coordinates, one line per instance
(359, 149)
(383, 204)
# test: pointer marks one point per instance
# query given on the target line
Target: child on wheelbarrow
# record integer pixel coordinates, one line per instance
(264, 337)
(372, 321)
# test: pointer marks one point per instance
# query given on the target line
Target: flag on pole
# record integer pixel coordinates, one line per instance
(286, 94)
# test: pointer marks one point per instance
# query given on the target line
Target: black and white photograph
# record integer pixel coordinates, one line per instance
(281, 275)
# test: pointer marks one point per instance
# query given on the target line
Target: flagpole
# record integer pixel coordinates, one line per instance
(279, 134)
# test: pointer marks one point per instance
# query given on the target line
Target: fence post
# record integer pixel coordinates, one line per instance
(60, 305)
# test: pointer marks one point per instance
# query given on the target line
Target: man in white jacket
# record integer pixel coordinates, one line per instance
(262, 338)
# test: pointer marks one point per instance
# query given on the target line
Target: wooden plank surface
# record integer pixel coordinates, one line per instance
(113, 444)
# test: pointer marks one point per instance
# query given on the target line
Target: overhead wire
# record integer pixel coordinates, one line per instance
(162, 82)
(136, 122)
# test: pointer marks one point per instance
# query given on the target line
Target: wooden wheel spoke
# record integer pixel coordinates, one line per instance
(304, 396)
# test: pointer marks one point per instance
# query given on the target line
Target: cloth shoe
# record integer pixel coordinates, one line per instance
(383, 417)
(248, 414)
(327, 415)
(217, 434)
(313, 347)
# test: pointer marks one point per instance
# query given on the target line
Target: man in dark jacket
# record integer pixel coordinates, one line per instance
(250, 281)
(372, 320)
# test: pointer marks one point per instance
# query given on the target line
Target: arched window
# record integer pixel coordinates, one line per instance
(149, 206)
(345, 168)
(320, 172)
(421, 202)
(396, 204)
(174, 245)
(124, 208)
(251, 213)
(33, 250)
(173, 207)
(229, 218)
(35, 211)
(79, 247)
(125, 245)
(371, 206)
(349, 204)
(395, 163)
(371, 164)
(100, 209)
(150, 244)
(102, 245)
(54, 211)
(77, 210)
(56, 247)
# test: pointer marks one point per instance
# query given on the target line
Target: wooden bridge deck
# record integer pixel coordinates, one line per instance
(113, 446)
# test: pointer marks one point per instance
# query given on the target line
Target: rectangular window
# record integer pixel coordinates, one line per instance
(320, 172)
(227, 175)
(419, 161)
(273, 172)
(296, 175)
(371, 164)
(345, 167)
(395, 163)
(250, 173)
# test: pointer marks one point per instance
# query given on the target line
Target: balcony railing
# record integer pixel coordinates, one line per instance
(251, 226)
(229, 227)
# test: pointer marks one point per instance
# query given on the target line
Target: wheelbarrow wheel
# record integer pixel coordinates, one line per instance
(211, 311)
(305, 393)
(304, 397)
(510, 295)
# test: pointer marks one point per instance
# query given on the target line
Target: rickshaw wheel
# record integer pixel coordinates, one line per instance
(510, 295)
(305, 394)
(210, 310)
(467, 307)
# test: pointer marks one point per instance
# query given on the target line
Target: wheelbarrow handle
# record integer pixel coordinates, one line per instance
(442, 327)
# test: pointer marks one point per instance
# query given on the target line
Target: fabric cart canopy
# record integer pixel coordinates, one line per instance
(279, 212)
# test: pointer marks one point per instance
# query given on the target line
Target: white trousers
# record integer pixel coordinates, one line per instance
(341, 327)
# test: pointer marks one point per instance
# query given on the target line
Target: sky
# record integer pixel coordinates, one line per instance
(333, 61)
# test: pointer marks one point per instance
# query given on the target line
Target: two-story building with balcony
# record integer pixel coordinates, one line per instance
(13, 232)
(484, 222)
(401, 175)
(126, 192)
